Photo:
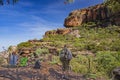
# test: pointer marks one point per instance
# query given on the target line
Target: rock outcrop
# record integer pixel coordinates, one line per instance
(95, 13)
(63, 31)
(58, 31)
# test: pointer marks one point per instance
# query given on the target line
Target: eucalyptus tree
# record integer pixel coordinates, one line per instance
(4, 2)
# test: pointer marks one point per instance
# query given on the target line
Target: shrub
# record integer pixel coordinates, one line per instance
(55, 60)
(78, 64)
(24, 44)
(106, 61)
(100, 65)
(42, 51)
(91, 76)
(89, 24)
(2, 60)
(57, 43)
(77, 67)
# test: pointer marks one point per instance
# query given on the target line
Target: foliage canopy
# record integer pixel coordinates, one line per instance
(3, 2)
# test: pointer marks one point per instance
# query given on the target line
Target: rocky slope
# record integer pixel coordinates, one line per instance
(95, 13)
(81, 41)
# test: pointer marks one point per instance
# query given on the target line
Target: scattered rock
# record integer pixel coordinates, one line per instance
(75, 33)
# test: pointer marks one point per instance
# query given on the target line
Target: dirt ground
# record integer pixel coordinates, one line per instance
(47, 72)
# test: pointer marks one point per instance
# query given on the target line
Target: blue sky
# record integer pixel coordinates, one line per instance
(29, 19)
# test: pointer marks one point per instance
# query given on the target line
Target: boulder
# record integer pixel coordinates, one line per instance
(75, 33)
(116, 73)
(61, 31)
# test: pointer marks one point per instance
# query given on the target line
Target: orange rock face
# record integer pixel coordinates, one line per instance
(63, 31)
(73, 20)
(95, 13)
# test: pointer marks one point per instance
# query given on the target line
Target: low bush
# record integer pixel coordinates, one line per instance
(42, 51)
(24, 44)
(55, 60)
(106, 61)
(1, 60)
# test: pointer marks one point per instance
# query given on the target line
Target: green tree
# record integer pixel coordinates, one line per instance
(10, 48)
(113, 4)
(2, 2)
(111, 1)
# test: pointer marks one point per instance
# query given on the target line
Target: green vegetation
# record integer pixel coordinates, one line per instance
(107, 60)
(93, 39)
(42, 51)
(104, 43)
(10, 48)
(1, 60)
(101, 65)
(24, 44)
(55, 60)
(113, 4)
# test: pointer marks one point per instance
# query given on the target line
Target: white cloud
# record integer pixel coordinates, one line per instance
(28, 30)
(39, 27)
(33, 27)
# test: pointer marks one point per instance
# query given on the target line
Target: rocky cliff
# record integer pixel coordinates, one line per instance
(95, 13)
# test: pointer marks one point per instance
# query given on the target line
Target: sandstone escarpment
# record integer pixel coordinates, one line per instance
(95, 13)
